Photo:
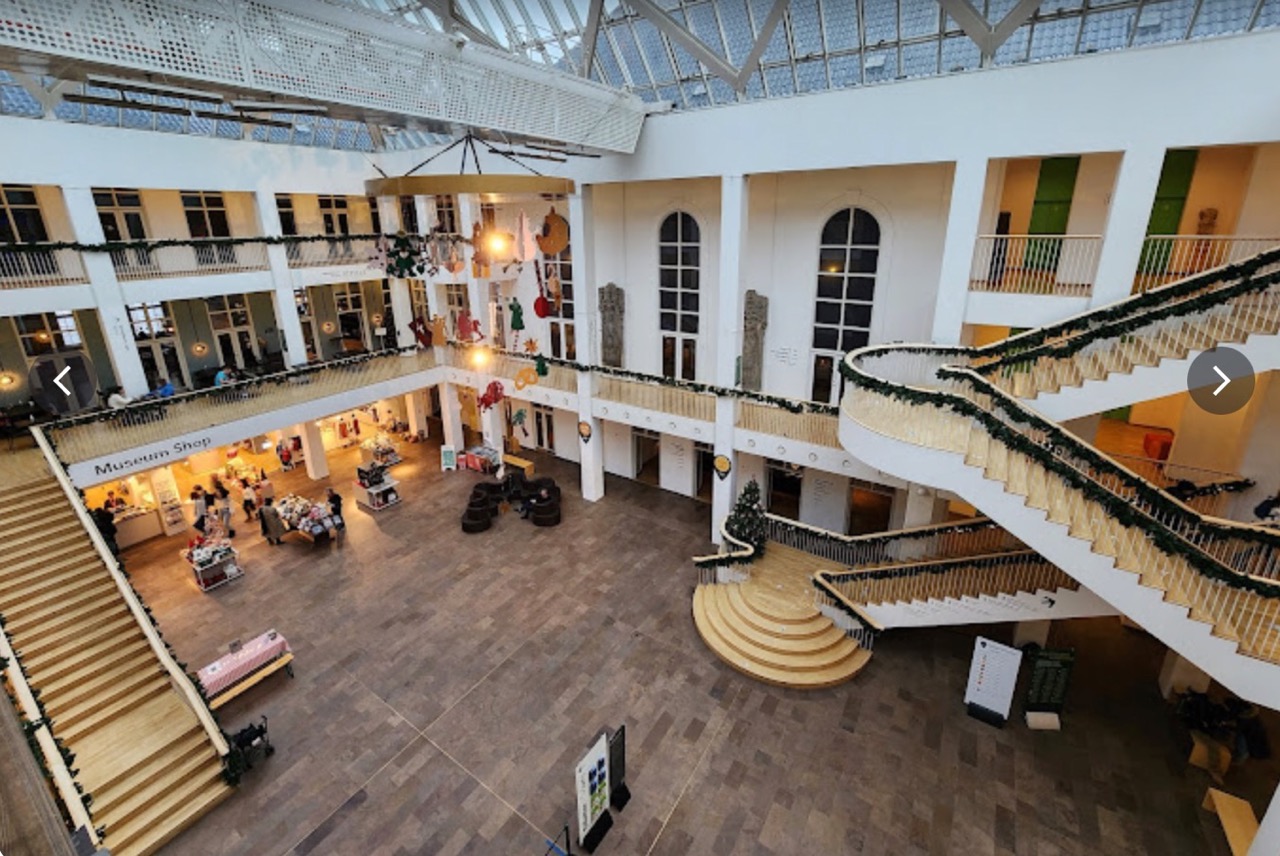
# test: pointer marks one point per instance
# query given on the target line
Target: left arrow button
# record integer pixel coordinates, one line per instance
(58, 379)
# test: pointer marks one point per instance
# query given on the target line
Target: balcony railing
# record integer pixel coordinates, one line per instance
(334, 250)
(193, 258)
(1059, 265)
(1169, 258)
(808, 427)
(33, 266)
(82, 438)
(674, 400)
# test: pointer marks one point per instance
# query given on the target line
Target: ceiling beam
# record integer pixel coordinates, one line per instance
(771, 22)
(594, 12)
(979, 29)
(454, 21)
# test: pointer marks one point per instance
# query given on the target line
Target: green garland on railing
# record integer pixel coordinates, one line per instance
(1129, 325)
(791, 527)
(1117, 507)
(942, 566)
(161, 243)
(838, 602)
(1138, 303)
(1214, 489)
(789, 404)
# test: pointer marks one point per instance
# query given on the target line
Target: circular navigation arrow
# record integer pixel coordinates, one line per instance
(1221, 381)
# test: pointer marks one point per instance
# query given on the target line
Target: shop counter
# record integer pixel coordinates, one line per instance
(136, 525)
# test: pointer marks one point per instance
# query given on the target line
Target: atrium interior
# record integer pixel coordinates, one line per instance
(640, 427)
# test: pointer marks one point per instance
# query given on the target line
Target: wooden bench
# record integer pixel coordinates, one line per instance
(519, 463)
(1238, 820)
(237, 688)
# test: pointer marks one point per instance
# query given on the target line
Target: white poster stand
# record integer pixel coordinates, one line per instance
(993, 675)
(448, 458)
(591, 780)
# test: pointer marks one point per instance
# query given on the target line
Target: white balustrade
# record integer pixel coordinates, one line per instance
(1061, 265)
(1169, 258)
(37, 268)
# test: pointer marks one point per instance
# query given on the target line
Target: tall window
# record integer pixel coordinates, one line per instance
(120, 213)
(333, 214)
(47, 333)
(847, 261)
(678, 268)
(157, 341)
(388, 339)
(207, 218)
(455, 301)
(375, 216)
(348, 297)
(446, 215)
(288, 223)
(233, 330)
(21, 223)
(408, 215)
(302, 301)
(418, 300)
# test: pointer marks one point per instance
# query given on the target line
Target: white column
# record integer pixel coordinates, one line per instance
(963, 218)
(425, 208)
(733, 228)
(469, 215)
(1127, 219)
(724, 490)
(451, 416)
(1267, 841)
(586, 307)
(591, 453)
(493, 427)
(108, 299)
(415, 406)
(313, 450)
(919, 506)
(295, 345)
(401, 305)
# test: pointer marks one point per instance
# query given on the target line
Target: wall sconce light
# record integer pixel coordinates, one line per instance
(328, 326)
(376, 318)
(42, 336)
(480, 357)
(7, 379)
(199, 349)
(722, 466)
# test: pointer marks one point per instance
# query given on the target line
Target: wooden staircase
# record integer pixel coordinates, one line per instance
(769, 629)
(141, 752)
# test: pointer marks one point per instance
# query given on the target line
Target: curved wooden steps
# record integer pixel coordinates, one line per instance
(787, 646)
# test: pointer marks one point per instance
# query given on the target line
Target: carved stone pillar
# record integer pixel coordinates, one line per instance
(755, 318)
(612, 301)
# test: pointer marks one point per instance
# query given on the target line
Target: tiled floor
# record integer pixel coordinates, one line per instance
(446, 684)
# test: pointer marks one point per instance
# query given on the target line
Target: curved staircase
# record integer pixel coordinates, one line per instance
(774, 641)
(959, 419)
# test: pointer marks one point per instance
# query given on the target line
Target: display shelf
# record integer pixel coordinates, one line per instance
(218, 572)
(379, 496)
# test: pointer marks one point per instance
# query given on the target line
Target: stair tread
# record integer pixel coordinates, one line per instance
(76, 731)
(67, 638)
(65, 699)
(107, 795)
(167, 771)
(170, 814)
(64, 608)
(61, 550)
(812, 626)
(720, 611)
(16, 602)
(126, 652)
(119, 631)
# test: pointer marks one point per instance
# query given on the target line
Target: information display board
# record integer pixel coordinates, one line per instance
(448, 458)
(1050, 677)
(591, 781)
(993, 675)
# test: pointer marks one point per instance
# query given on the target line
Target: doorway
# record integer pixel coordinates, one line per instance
(783, 489)
(647, 450)
(705, 462)
(544, 428)
(870, 506)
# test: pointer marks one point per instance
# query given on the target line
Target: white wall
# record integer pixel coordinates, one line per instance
(785, 219)
(677, 466)
(568, 444)
(619, 451)
(1259, 214)
(824, 500)
(1091, 199)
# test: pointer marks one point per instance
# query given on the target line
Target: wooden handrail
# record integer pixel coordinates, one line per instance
(63, 782)
(180, 680)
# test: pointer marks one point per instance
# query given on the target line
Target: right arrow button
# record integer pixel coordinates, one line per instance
(1221, 381)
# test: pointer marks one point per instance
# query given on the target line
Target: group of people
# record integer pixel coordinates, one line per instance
(116, 398)
(252, 497)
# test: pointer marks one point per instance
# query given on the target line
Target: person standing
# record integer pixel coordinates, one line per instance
(199, 507)
(222, 501)
(266, 490)
(335, 503)
(272, 525)
(104, 518)
(248, 500)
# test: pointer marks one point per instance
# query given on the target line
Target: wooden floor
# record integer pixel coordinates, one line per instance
(446, 685)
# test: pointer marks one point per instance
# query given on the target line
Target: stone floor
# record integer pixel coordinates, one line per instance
(446, 685)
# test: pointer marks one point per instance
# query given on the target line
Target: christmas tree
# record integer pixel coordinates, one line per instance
(746, 522)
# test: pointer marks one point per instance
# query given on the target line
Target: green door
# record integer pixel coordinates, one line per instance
(1050, 210)
(1166, 212)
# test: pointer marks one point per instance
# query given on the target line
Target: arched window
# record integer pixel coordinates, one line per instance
(847, 259)
(678, 269)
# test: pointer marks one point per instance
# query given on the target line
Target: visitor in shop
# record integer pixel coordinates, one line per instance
(222, 502)
(113, 503)
(272, 525)
(335, 503)
(116, 398)
(199, 507)
(164, 389)
(542, 497)
(225, 375)
(104, 519)
(266, 490)
(248, 500)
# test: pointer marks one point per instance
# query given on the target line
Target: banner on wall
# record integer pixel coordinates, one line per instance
(591, 779)
(993, 675)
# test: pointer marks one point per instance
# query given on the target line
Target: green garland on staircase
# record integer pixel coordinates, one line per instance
(1115, 506)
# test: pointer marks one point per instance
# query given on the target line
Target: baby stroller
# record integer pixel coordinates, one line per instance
(253, 739)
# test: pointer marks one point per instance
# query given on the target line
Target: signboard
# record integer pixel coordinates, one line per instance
(448, 458)
(1050, 677)
(592, 786)
(993, 674)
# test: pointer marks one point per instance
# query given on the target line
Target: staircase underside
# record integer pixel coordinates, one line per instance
(769, 629)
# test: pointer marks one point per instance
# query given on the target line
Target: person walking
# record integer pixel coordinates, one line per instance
(272, 525)
(248, 500)
(266, 490)
(199, 507)
(335, 503)
(222, 502)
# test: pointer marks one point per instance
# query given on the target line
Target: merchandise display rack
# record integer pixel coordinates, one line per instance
(375, 497)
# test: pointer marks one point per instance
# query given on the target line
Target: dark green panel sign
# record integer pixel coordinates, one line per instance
(1050, 677)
